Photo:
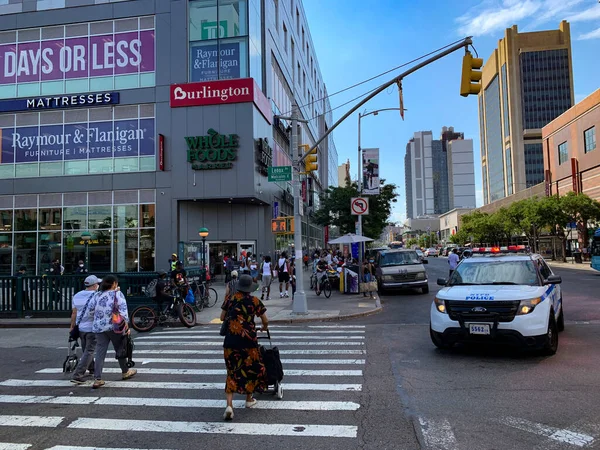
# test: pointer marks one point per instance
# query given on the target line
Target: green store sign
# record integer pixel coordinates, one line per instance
(214, 151)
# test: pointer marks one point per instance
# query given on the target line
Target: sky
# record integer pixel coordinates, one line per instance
(358, 39)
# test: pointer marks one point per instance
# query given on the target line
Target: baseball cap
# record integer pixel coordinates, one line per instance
(91, 280)
(234, 273)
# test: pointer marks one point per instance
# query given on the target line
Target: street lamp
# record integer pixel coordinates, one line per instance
(203, 232)
(86, 237)
(360, 173)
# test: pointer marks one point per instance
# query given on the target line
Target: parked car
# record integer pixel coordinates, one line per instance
(446, 251)
(422, 256)
(432, 252)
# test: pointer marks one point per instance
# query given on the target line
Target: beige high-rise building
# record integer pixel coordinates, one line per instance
(527, 82)
(343, 173)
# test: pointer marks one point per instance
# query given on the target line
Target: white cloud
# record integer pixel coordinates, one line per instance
(591, 35)
(495, 17)
(589, 14)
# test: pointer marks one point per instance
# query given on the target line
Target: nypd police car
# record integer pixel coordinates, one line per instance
(500, 295)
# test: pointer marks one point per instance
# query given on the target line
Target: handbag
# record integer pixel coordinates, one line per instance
(370, 286)
(189, 298)
(119, 325)
(75, 334)
(224, 331)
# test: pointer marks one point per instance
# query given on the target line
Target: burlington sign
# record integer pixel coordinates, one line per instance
(214, 151)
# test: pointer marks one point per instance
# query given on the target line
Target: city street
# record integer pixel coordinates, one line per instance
(371, 383)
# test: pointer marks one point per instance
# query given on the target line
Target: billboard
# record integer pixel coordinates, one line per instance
(78, 57)
(77, 141)
(370, 169)
(215, 61)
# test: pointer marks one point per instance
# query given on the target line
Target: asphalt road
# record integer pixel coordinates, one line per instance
(372, 383)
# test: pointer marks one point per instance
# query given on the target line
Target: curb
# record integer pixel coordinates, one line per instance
(329, 319)
(24, 324)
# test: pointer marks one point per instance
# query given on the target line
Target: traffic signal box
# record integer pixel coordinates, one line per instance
(282, 225)
(470, 83)
(311, 162)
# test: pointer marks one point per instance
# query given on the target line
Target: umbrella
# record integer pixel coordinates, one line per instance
(350, 239)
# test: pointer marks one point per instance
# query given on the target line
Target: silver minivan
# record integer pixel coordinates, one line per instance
(400, 269)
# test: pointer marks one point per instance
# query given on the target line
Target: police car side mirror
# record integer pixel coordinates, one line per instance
(442, 281)
(553, 279)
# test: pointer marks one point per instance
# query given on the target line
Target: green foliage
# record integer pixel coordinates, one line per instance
(335, 209)
(427, 240)
(460, 238)
(411, 242)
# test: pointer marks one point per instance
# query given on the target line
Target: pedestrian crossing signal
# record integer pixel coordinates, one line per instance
(282, 225)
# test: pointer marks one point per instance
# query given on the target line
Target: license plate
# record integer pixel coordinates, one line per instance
(478, 328)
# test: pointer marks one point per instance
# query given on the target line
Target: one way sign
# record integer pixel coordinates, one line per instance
(359, 206)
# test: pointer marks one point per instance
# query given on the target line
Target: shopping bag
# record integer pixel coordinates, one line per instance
(189, 298)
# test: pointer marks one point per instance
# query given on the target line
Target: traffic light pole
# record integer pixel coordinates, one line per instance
(462, 44)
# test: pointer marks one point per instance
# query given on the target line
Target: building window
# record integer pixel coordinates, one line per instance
(298, 21)
(534, 164)
(563, 153)
(509, 173)
(494, 141)
(285, 38)
(276, 4)
(218, 35)
(505, 102)
(589, 137)
(303, 38)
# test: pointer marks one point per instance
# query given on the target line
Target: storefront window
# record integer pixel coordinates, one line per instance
(49, 249)
(6, 217)
(147, 246)
(126, 216)
(25, 245)
(126, 251)
(214, 55)
(50, 219)
(100, 217)
(75, 218)
(73, 250)
(5, 254)
(147, 213)
(25, 219)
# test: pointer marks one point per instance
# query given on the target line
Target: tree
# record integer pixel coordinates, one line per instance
(335, 209)
(412, 242)
(581, 209)
(525, 217)
(555, 218)
(460, 238)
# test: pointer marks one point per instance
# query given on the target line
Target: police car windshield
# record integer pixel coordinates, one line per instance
(398, 258)
(495, 272)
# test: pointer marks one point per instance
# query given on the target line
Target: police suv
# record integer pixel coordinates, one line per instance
(499, 294)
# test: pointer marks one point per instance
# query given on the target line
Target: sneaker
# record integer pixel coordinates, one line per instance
(77, 380)
(251, 404)
(268, 298)
(130, 373)
(98, 384)
(281, 295)
(286, 295)
(228, 415)
(262, 297)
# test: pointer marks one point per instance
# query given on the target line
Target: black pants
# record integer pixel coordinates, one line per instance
(451, 271)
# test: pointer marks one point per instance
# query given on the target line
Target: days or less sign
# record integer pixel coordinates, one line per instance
(280, 173)
(359, 206)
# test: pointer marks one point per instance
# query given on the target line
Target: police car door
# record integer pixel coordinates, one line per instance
(554, 295)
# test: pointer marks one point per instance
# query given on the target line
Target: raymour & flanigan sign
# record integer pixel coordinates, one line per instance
(214, 151)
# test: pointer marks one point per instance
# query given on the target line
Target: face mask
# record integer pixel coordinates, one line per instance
(80, 265)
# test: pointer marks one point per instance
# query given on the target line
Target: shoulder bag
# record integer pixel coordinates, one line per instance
(119, 325)
(224, 331)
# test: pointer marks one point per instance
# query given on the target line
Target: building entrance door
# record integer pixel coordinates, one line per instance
(216, 253)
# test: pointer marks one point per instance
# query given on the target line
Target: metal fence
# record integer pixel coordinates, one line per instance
(51, 295)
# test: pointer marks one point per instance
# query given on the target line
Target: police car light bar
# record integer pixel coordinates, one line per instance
(508, 249)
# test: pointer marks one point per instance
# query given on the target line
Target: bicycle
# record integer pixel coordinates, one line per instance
(313, 281)
(145, 318)
(323, 286)
(204, 295)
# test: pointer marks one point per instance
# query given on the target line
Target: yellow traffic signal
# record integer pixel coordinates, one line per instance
(311, 163)
(470, 82)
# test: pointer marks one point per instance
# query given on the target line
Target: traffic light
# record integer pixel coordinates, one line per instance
(470, 82)
(282, 225)
(310, 163)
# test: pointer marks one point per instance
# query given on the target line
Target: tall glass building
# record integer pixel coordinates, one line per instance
(527, 82)
(127, 125)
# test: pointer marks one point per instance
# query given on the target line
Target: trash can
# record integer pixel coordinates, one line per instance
(577, 256)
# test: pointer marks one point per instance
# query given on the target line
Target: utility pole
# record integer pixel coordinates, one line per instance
(360, 228)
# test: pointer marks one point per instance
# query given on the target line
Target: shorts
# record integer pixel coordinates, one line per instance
(266, 280)
(284, 277)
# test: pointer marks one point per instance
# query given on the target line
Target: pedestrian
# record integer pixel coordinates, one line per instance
(266, 271)
(305, 261)
(105, 304)
(293, 277)
(56, 268)
(253, 268)
(246, 373)
(453, 261)
(20, 274)
(81, 269)
(80, 315)
(228, 267)
(162, 295)
(283, 271)
(368, 270)
(231, 287)
(173, 261)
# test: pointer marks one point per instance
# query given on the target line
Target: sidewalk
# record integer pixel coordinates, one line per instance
(279, 310)
(570, 265)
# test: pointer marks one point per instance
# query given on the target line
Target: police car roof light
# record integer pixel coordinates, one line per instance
(508, 249)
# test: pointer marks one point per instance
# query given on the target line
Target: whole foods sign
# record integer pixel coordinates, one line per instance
(121, 138)
(214, 151)
(80, 57)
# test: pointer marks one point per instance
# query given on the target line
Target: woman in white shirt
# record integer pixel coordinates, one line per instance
(266, 271)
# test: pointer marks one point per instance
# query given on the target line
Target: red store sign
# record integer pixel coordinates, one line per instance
(221, 92)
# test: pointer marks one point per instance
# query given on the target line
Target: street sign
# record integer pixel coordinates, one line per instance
(359, 206)
(275, 210)
(280, 173)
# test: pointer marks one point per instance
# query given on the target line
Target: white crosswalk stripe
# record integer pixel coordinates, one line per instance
(183, 370)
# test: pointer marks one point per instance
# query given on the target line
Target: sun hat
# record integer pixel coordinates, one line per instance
(245, 284)
(91, 280)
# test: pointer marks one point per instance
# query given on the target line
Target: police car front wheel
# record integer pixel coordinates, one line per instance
(551, 344)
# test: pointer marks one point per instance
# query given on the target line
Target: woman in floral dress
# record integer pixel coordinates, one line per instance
(245, 370)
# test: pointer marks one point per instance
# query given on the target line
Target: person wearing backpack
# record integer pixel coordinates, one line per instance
(110, 325)
(283, 270)
(81, 317)
(266, 274)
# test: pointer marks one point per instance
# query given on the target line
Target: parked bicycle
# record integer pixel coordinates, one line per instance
(204, 295)
(145, 318)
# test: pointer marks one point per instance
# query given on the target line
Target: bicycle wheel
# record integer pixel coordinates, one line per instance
(143, 319)
(186, 314)
(212, 298)
(326, 288)
(312, 282)
(198, 300)
(317, 285)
